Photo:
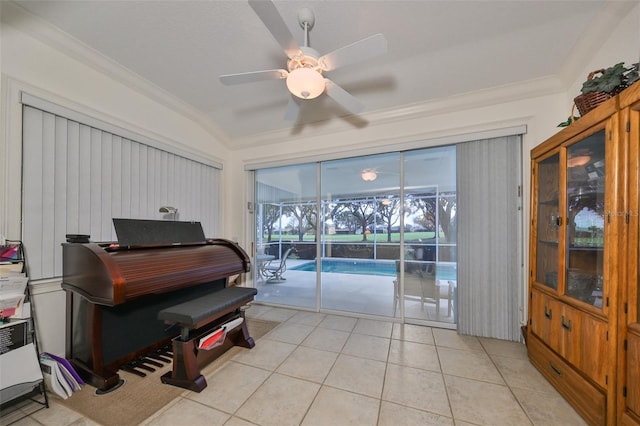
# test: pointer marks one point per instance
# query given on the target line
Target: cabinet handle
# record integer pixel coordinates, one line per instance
(547, 313)
(566, 326)
(555, 370)
(559, 221)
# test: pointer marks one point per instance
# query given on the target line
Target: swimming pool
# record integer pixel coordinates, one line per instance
(369, 267)
(350, 266)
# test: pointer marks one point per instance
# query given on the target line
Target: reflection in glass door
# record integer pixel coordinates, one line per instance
(585, 220)
(430, 249)
(362, 214)
(285, 206)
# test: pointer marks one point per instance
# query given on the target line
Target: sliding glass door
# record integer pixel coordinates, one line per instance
(286, 215)
(430, 249)
(372, 235)
(362, 212)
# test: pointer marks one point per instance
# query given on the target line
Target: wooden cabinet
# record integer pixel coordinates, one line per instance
(631, 375)
(584, 327)
(629, 314)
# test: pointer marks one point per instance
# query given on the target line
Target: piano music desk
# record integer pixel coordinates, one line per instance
(196, 318)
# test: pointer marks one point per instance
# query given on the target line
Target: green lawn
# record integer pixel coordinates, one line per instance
(351, 238)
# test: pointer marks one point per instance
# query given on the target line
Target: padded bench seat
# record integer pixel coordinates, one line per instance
(198, 312)
(198, 317)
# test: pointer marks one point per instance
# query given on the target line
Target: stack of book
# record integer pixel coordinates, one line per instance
(19, 370)
(59, 375)
(13, 282)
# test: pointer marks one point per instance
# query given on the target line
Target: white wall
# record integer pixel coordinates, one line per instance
(622, 46)
(61, 76)
(27, 64)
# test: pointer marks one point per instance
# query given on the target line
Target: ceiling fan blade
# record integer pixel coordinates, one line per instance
(344, 98)
(354, 52)
(293, 109)
(270, 17)
(250, 77)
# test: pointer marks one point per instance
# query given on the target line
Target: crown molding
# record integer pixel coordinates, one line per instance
(472, 100)
(21, 19)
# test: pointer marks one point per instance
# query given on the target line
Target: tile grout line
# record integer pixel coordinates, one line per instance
(506, 382)
(444, 382)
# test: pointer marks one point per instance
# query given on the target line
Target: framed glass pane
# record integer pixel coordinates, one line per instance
(430, 247)
(585, 219)
(361, 215)
(548, 221)
(285, 210)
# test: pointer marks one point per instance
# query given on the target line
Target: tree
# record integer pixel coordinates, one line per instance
(344, 218)
(306, 216)
(426, 205)
(447, 210)
(332, 212)
(270, 215)
(445, 218)
(364, 213)
(388, 212)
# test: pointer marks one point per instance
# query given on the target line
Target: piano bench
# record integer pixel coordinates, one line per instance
(197, 318)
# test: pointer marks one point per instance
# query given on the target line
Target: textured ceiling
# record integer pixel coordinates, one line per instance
(435, 49)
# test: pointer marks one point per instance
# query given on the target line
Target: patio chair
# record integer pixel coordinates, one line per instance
(422, 286)
(274, 269)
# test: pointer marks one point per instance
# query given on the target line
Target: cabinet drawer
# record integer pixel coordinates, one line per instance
(545, 319)
(582, 395)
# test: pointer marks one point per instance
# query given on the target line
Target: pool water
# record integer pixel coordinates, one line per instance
(344, 266)
(369, 267)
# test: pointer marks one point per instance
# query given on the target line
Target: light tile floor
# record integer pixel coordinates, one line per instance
(317, 369)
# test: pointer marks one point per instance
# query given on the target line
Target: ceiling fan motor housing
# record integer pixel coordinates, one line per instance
(308, 59)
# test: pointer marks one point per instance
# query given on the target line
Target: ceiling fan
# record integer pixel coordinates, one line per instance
(305, 67)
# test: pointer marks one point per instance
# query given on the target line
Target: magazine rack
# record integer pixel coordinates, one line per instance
(22, 399)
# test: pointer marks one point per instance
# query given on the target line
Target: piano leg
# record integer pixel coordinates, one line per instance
(102, 379)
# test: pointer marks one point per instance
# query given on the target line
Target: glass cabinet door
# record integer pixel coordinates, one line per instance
(585, 219)
(548, 221)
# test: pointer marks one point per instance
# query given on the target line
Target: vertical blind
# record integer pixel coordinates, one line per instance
(489, 240)
(76, 178)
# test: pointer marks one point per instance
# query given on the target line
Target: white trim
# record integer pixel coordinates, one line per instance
(402, 146)
(498, 95)
(44, 105)
(43, 286)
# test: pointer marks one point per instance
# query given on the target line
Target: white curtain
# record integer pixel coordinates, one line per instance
(489, 237)
(77, 177)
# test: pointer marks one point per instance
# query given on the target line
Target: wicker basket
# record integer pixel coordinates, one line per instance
(589, 101)
(586, 103)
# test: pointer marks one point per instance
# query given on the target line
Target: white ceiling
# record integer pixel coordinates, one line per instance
(435, 49)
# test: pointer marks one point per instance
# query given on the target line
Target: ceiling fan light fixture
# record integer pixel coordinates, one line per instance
(305, 83)
(579, 160)
(368, 175)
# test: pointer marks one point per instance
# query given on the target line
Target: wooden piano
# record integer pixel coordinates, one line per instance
(114, 294)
